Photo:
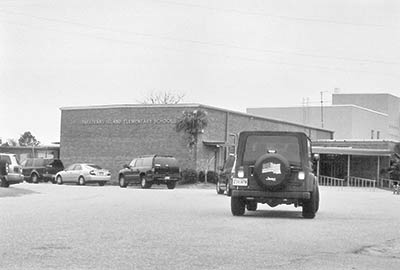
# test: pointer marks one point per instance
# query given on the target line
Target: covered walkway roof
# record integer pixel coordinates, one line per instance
(351, 151)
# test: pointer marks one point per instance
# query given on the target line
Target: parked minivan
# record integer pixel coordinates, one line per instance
(14, 171)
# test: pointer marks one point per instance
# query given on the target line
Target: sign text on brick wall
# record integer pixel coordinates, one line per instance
(127, 121)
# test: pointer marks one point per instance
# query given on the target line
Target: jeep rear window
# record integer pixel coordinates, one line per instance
(258, 145)
(162, 161)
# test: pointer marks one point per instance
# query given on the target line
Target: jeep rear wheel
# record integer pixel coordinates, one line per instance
(310, 207)
(238, 206)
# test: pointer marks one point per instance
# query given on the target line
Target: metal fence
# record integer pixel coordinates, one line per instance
(330, 181)
(386, 183)
(361, 182)
(347, 182)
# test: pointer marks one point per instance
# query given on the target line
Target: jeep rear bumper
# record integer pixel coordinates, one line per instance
(273, 195)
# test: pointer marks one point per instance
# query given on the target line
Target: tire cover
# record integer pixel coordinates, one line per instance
(271, 171)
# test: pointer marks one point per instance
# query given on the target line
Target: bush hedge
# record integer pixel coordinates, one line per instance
(189, 176)
(212, 177)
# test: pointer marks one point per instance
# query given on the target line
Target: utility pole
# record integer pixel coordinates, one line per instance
(322, 109)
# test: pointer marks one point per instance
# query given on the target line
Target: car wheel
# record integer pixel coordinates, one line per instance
(3, 182)
(122, 182)
(171, 185)
(59, 180)
(102, 183)
(310, 207)
(237, 206)
(144, 183)
(34, 178)
(81, 181)
(251, 206)
(228, 189)
(218, 187)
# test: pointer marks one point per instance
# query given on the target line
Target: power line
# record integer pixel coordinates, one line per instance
(199, 42)
(281, 17)
(257, 60)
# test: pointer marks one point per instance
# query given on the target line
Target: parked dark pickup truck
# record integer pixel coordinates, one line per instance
(41, 169)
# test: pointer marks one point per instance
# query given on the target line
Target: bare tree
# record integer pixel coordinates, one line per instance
(166, 97)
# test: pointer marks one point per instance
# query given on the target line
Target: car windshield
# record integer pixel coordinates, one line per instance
(6, 158)
(94, 166)
(163, 161)
(258, 145)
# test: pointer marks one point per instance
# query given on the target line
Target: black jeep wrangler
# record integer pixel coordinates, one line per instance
(273, 168)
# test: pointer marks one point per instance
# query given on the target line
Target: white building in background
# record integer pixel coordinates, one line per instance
(351, 116)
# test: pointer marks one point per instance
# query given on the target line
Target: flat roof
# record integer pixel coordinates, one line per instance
(351, 151)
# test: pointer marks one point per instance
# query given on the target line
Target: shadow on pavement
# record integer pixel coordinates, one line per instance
(274, 214)
(15, 192)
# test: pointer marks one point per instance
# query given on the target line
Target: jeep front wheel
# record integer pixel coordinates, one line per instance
(238, 206)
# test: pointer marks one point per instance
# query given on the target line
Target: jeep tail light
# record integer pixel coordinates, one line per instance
(301, 175)
(7, 169)
(240, 173)
(92, 172)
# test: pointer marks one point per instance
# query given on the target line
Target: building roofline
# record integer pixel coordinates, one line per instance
(325, 107)
(364, 94)
(183, 105)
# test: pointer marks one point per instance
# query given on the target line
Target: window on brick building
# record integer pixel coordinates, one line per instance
(372, 134)
(378, 134)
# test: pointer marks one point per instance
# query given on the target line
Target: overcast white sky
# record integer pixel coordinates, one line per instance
(229, 54)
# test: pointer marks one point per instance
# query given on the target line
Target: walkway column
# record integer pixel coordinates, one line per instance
(377, 172)
(348, 170)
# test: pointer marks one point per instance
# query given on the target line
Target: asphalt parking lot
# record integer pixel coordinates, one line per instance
(47, 226)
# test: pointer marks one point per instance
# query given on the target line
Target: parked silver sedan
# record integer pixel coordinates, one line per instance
(82, 173)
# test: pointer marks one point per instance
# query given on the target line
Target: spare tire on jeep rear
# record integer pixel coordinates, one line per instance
(271, 171)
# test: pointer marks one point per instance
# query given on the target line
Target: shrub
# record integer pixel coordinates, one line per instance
(212, 177)
(189, 176)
